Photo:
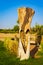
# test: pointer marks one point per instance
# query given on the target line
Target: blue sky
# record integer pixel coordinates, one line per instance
(9, 14)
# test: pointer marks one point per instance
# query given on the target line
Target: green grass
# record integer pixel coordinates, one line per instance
(8, 59)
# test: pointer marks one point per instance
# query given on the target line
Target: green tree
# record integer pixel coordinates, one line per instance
(16, 28)
(38, 28)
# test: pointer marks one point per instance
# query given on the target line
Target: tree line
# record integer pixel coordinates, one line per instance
(35, 29)
(15, 29)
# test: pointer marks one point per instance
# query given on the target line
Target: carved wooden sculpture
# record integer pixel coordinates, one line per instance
(25, 17)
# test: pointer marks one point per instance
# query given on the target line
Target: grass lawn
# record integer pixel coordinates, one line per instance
(8, 59)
